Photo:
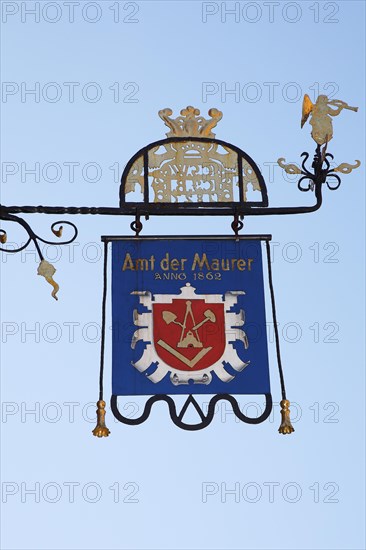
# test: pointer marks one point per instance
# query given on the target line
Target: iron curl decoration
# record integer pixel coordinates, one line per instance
(307, 175)
(336, 186)
(56, 228)
(331, 173)
(31, 235)
(237, 225)
(58, 233)
(45, 269)
(136, 225)
(321, 170)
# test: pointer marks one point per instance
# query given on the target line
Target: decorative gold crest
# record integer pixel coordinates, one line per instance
(192, 171)
(190, 123)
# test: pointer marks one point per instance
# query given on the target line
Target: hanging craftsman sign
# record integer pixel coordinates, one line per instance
(188, 317)
(188, 313)
(185, 306)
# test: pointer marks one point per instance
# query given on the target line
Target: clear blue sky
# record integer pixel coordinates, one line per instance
(100, 72)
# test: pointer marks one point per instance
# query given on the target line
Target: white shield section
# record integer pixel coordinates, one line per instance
(233, 332)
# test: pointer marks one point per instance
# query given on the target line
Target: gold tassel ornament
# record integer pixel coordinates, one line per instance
(101, 429)
(286, 426)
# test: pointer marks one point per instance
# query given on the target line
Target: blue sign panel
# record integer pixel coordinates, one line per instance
(188, 316)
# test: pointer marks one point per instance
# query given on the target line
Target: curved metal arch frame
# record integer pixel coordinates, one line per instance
(155, 208)
(177, 419)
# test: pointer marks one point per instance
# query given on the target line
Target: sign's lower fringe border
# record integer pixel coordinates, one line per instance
(178, 418)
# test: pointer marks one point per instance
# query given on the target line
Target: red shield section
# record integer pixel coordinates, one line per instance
(189, 335)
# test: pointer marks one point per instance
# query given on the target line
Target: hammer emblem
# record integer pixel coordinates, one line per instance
(190, 338)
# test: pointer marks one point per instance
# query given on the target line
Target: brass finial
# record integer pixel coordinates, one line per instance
(101, 429)
(286, 426)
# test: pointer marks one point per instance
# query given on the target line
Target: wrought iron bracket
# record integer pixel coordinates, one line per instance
(317, 175)
(237, 225)
(56, 228)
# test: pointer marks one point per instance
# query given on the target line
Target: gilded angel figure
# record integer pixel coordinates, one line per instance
(321, 113)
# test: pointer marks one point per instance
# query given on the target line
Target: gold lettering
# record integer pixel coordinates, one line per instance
(201, 262)
(128, 264)
(164, 264)
(174, 264)
(142, 264)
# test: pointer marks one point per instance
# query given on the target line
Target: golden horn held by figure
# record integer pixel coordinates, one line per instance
(339, 103)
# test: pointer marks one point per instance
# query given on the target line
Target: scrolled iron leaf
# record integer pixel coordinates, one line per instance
(346, 168)
(289, 168)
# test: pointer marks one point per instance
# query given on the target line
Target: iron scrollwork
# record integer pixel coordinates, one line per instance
(321, 170)
(45, 268)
